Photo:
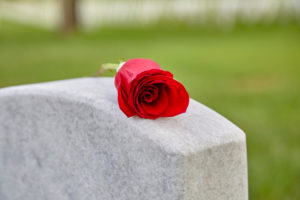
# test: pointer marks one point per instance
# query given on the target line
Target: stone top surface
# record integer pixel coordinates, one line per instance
(198, 129)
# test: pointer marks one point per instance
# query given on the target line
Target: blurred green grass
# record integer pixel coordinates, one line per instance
(251, 75)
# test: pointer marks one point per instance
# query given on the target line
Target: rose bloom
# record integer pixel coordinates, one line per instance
(144, 89)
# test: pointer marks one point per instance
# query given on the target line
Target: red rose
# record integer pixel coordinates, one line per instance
(144, 89)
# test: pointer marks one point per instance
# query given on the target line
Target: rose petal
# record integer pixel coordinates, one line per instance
(178, 99)
(149, 93)
(122, 100)
(133, 68)
(157, 107)
(136, 66)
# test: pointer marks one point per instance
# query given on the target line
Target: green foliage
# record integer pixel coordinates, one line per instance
(251, 75)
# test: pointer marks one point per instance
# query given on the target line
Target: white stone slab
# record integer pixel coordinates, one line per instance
(69, 140)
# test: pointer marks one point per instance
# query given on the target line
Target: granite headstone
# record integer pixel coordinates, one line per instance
(69, 140)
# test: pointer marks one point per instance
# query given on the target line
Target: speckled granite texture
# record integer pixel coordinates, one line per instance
(68, 140)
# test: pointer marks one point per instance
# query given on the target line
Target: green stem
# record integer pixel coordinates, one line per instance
(107, 66)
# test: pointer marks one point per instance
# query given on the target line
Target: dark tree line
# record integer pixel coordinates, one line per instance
(70, 18)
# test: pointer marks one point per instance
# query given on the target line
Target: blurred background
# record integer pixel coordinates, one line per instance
(239, 57)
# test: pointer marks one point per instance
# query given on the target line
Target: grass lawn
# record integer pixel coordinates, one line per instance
(251, 75)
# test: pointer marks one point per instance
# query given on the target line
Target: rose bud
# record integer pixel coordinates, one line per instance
(144, 89)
